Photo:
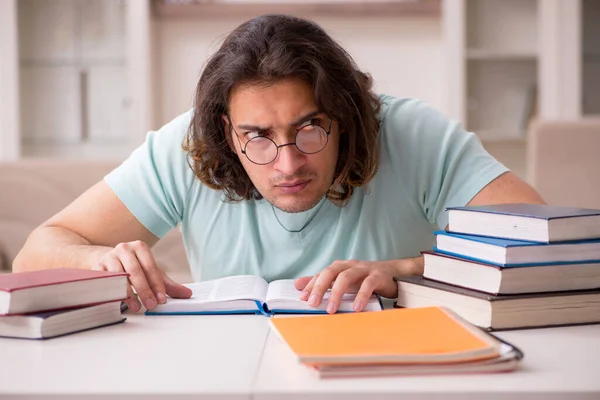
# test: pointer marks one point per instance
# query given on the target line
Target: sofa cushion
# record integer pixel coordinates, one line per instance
(33, 191)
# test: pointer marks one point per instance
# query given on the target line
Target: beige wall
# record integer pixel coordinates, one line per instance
(403, 55)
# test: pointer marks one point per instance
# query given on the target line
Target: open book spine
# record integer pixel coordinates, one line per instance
(291, 311)
(260, 310)
(315, 311)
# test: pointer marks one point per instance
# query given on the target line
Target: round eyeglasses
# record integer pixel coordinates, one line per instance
(310, 139)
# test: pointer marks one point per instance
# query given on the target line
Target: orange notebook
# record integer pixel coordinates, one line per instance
(430, 335)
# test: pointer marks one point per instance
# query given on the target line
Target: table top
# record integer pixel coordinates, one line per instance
(563, 361)
(170, 355)
(236, 356)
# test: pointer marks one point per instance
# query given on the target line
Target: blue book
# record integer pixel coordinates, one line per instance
(250, 294)
(513, 253)
(531, 222)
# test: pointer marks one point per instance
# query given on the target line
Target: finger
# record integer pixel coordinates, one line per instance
(132, 300)
(113, 264)
(176, 290)
(324, 282)
(138, 278)
(341, 286)
(154, 275)
(301, 283)
(364, 293)
(308, 288)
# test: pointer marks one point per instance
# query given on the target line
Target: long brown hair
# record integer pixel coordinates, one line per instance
(265, 50)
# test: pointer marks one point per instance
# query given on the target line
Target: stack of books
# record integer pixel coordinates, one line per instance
(513, 266)
(49, 303)
(429, 340)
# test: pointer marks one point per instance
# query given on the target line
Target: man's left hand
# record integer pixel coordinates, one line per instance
(361, 277)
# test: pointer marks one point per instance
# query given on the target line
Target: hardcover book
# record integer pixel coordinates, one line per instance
(512, 253)
(532, 222)
(51, 324)
(54, 289)
(512, 280)
(495, 312)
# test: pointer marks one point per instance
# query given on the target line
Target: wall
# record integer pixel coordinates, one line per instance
(404, 55)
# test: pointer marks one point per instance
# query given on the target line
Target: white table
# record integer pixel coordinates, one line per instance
(559, 363)
(237, 357)
(144, 357)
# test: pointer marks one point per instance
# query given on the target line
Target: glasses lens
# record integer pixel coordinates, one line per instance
(311, 139)
(261, 150)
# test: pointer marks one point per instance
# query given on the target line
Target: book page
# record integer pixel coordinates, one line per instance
(284, 290)
(241, 287)
(282, 295)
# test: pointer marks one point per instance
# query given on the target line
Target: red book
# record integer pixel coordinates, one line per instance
(55, 289)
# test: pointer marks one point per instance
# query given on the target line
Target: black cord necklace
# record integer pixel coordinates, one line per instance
(303, 226)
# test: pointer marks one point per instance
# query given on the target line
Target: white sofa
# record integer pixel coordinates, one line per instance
(563, 161)
(32, 191)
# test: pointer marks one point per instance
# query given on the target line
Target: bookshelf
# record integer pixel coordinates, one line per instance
(494, 47)
(505, 60)
(79, 78)
(500, 54)
(590, 96)
(501, 97)
(72, 70)
(509, 62)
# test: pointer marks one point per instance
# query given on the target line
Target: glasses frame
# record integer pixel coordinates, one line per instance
(298, 130)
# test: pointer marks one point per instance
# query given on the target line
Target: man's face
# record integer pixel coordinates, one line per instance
(293, 181)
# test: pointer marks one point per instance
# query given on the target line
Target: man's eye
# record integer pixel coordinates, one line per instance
(253, 134)
(310, 125)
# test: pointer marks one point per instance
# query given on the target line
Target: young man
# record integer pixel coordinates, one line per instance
(287, 166)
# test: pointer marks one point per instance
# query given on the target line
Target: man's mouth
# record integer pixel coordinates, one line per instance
(293, 186)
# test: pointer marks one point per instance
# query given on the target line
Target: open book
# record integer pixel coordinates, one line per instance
(249, 294)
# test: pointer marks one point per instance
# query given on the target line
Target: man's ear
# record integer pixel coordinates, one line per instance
(228, 132)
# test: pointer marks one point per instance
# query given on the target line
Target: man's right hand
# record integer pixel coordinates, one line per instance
(150, 283)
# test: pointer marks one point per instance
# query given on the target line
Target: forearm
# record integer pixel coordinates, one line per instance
(54, 247)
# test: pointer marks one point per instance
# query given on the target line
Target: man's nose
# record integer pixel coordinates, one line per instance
(289, 159)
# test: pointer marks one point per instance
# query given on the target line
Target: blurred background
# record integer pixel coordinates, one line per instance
(82, 81)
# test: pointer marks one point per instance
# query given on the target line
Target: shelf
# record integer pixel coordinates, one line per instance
(342, 8)
(503, 141)
(500, 137)
(74, 63)
(501, 54)
(500, 24)
(92, 150)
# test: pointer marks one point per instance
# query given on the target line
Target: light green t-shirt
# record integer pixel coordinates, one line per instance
(427, 163)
